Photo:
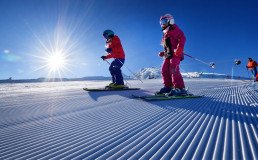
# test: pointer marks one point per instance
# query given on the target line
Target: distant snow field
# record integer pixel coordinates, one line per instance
(59, 120)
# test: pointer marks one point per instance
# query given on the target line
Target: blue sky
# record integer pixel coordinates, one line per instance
(217, 31)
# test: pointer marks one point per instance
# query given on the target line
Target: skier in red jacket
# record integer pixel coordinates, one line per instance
(252, 66)
(114, 50)
(173, 41)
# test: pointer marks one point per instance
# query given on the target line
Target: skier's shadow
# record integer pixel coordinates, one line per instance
(95, 95)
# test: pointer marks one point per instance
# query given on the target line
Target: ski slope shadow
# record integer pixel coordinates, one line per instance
(210, 127)
(207, 106)
(238, 103)
(223, 123)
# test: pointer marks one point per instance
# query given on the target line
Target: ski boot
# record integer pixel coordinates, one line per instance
(109, 86)
(177, 92)
(163, 91)
(118, 86)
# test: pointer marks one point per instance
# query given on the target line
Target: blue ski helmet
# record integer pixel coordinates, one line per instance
(108, 33)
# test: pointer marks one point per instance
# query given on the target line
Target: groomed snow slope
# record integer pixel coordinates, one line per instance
(60, 120)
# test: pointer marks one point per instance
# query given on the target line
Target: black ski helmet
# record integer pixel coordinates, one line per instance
(108, 33)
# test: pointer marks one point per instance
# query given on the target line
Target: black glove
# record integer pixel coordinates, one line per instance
(103, 57)
(109, 50)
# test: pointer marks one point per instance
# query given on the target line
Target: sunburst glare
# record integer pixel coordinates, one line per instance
(56, 62)
(55, 52)
(57, 45)
(55, 56)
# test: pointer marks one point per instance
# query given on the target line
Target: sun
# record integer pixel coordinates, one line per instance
(55, 50)
(56, 62)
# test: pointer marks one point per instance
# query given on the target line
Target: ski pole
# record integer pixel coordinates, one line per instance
(211, 64)
(130, 71)
(107, 62)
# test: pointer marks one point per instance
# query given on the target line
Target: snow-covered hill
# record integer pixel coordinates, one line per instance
(61, 121)
(149, 73)
(144, 73)
(154, 73)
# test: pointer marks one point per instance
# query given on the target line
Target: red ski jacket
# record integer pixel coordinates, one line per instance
(115, 45)
(251, 64)
(176, 39)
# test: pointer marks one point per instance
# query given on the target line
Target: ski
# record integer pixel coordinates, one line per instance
(108, 89)
(160, 97)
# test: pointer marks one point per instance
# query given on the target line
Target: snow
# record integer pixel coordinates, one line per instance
(59, 120)
(154, 73)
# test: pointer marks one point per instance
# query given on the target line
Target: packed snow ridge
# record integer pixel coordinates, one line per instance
(59, 120)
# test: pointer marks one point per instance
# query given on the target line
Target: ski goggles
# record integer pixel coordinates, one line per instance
(163, 21)
(105, 35)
